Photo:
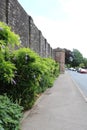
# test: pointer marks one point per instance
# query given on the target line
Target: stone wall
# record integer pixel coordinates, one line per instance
(12, 13)
(47, 55)
(18, 19)
(3, 8)
(34, 36)
(42, 45)
(59, 56)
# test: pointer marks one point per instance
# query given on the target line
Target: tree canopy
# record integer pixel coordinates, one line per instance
(75, 58)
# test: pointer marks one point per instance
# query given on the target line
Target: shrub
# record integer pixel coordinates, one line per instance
(24, 91)
(8, 39)
(7, 71)
(10, 114)
(24, 73)
(51, 71)
(34, 75)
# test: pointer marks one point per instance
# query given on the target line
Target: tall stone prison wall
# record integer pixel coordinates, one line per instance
(12, 13)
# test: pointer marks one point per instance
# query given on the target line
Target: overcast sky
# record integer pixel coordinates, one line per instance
(62, 22)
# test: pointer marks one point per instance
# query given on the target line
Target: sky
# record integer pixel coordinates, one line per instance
(62, 22)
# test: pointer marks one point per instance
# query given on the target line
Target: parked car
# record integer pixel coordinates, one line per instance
(82, 70)
(73, 69)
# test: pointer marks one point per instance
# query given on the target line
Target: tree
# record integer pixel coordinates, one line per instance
(68, 56)
(85, 62)
(77, 58)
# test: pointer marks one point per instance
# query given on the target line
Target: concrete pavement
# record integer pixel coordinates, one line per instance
(61, 107)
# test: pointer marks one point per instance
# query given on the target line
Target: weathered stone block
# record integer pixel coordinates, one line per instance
(3, 7)
(42, 46)
(19, 21)
(34, 36)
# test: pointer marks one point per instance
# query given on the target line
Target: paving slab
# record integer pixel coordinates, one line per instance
(61, 107)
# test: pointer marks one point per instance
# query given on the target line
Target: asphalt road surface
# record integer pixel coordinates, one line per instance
(61, 107)
(81, 81)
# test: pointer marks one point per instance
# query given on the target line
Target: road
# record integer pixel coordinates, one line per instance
(81, 81)
(61, 107)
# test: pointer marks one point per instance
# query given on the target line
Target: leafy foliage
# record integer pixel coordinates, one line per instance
(34, 74)
(24, 74)
(10, 114)
(7, 37)
(75, 59)
(7, 71)
(8, 40)
(85, 62)
(78, 58)
(68, 56)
